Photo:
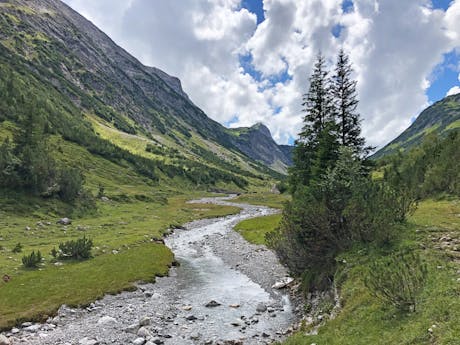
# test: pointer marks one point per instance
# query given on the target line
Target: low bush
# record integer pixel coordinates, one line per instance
(79, 249)
(32, 260)
(398, 279)
(17, 248)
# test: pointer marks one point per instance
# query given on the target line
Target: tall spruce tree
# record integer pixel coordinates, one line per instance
(345, 104)
(316, 147)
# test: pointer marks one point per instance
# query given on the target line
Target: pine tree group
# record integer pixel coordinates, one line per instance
(331, 121)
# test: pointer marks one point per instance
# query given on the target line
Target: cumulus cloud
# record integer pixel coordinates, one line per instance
(394, 46)
(453, 91)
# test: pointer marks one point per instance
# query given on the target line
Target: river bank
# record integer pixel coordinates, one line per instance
(216, 264)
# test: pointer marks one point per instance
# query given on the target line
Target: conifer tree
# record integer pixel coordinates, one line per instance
(317, 147)
(345, 104)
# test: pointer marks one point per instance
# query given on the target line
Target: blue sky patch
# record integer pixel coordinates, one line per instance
(256, 7)
(444, 77)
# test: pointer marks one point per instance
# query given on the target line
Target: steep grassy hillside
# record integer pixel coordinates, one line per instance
(60, 47)
(440, 118)
(434, 231)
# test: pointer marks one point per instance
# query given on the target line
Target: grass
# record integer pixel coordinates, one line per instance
(254, 230)
(366, 320)
(138, 211)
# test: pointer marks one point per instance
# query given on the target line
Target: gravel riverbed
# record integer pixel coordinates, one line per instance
(222, 293)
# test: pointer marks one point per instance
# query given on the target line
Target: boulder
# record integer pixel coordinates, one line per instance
(143, 333)
(261, 308)
(105, 320)
(139, 341)
(64, 221)
(145, 321)
(4, 340)
(283, 283)
(88, 341)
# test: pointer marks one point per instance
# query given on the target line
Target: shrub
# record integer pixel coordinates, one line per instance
(32, 260)
(17, 248)
(79, 249)
(70, 183)
(398, 279)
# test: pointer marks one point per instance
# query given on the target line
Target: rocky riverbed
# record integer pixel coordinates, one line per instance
(222, 293)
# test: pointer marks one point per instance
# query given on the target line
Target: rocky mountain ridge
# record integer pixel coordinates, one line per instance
(101, 78)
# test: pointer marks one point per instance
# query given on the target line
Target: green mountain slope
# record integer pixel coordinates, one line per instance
(63, 49)
(440, 118)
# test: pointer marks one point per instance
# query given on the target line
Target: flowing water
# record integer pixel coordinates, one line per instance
(216, 264)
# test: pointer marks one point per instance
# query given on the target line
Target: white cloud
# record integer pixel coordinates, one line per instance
(453, 91)
(393, 44)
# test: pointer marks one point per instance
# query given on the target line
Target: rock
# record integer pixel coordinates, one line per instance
(104, 199)
(148, 294)
(26, 324)
(139, 341)
(236, 323)
(88, 341)
(15, 330)
(187, 307)
(132, 328)
(4, 340)
(261, 308)
(32, 329)
(105, 320)
(64, 221)
(195, 336)
(145, 321)
(157, 341)
(265, 335)
(235, 305)
(143, 333)
(212, 304)
(283, 283)
(191, 318)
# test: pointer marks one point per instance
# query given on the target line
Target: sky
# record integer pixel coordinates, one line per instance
(249, 61)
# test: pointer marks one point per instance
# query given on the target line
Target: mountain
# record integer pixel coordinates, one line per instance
(440, 118)
(115, 92)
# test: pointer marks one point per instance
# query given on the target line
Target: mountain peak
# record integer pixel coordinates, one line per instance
(260, 127)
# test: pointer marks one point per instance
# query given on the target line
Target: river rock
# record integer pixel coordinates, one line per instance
(143, 333)
(212, 304)
(191, 318)
(283, 283)
(32, 329)
(139, 341)
(88, 341)
(4, 340)
(145, 321)
(105, 320)
(261, 308)
(195, 336)
(131, 328)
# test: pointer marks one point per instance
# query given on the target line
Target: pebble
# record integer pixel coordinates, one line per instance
(145, 321)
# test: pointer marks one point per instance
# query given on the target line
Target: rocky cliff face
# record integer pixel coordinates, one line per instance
(102, 78)
(257, 143)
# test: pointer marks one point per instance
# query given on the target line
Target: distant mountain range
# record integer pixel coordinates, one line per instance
(439, 118)
(120, 98)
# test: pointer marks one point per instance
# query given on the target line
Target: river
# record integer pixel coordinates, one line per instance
(216, 264)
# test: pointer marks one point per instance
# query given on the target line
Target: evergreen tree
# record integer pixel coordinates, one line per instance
(316, 147)
(345, 104)
(318, 103)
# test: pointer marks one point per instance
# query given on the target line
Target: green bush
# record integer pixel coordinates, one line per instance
(398, 279)
(70, 184)
(17, 248)
(32, 260)
(79, 249)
